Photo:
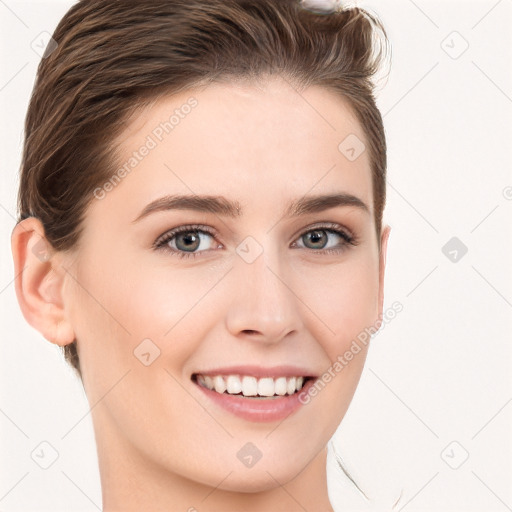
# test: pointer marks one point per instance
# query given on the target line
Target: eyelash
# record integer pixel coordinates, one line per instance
(163, 240)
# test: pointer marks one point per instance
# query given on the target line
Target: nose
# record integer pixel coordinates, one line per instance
(264, 306)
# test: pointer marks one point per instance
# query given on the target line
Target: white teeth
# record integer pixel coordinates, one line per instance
(291, 386)
(266, 386)
(219, 384)
(251, 386)
(233, 384)
(208, 381)
(280, 386)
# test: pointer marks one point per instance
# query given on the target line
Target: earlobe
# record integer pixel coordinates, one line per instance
(39, 282)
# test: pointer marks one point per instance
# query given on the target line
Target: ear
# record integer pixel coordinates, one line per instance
(39, 279)
(382, 265)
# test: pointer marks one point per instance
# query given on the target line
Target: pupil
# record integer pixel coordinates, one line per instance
(316, 236)
(189, 239)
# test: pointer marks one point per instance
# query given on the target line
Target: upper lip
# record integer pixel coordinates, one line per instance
(259, 371)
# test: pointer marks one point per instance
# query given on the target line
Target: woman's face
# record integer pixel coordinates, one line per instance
(262, 294)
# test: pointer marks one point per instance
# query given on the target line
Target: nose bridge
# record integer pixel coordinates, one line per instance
(263, 303)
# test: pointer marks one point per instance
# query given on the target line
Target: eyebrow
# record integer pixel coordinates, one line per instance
(219, 205)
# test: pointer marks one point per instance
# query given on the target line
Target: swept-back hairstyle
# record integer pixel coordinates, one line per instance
(113, 57)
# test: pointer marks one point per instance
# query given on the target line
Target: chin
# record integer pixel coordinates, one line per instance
(245, 481)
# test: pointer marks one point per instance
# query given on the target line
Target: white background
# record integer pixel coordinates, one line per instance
(437, 387)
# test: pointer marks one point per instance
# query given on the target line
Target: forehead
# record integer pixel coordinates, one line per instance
(246, 140)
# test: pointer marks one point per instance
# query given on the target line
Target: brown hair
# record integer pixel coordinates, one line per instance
(115, 56)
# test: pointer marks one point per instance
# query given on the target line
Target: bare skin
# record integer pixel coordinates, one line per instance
(162, 443)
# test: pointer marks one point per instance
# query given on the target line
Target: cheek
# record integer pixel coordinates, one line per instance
(120, 305)
(344, 302)
(345, 306)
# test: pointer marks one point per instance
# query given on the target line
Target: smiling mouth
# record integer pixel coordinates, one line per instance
(249, 386)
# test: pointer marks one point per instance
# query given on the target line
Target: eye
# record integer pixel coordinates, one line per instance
(317, 239)
(185, 240)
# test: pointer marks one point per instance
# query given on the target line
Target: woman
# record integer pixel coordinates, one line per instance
(200, 229)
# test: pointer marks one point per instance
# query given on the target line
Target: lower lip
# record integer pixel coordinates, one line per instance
(258, 409)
